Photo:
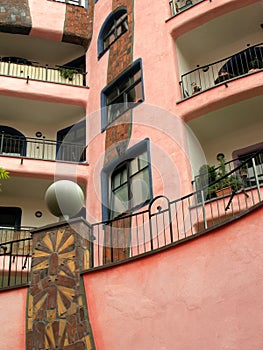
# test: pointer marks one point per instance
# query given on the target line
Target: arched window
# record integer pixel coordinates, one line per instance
(114, 26)
(12, 141)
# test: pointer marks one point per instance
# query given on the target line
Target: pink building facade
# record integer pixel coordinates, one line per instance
(150, 107)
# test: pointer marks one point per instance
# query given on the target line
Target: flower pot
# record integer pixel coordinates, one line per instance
(224, 191)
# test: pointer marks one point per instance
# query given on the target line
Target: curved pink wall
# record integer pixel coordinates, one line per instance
(47, 19)
(13, 319)
(205, 294)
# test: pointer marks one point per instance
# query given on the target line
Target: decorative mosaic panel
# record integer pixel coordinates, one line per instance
(57, 316)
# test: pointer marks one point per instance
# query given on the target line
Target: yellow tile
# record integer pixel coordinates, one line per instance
(68, 242)
(48, 242)
(88, 342)
(41, 266)
(67, 291)
(60, 234)
(61, 307)
(72, 309)
(50, 334)
(39, 254)
(51, 315)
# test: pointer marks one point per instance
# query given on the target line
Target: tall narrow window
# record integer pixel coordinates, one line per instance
(115, 25)
(130, 185)
(126, 184)
(123, 94)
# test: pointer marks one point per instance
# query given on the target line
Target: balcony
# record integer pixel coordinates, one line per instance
(248, 61)
(33, 148)
(33, 71)
(81, 3)
(15, 256)
(177, 6)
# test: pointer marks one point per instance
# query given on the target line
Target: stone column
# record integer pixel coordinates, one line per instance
(57, 314)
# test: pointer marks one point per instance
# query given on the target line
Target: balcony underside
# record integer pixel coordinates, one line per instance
(39, 50)
(228, 129)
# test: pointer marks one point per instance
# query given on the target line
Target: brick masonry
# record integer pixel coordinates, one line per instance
(57, 316)
(15, 17)
(78, 26)
(120, 58)
(117, 235)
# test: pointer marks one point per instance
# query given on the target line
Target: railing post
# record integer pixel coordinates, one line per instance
(2, 142)
(46, 72)
(43, 148)
(203, 207)
(10, 264)
(256, 178)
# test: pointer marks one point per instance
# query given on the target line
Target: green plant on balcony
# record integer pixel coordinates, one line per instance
(225, 184)
(4, 175)
(207, 176)
(255, 64)
(67, 73)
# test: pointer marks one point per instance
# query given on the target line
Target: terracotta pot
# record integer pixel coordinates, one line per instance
(224, 191)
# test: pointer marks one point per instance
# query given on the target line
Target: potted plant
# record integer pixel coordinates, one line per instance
(196, 88)
(255, 65)
(67, 73)
(227, 184)
(207, 176)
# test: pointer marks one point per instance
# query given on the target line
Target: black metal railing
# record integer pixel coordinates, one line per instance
(167, 222)
(178, 6)
(73, 2)
(44, 149)
(162, 224)
(34, 71)
(232, 67)
(8, 234)
(15, 262)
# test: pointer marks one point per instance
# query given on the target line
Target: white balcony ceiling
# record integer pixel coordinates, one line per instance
(38, 50)
(223, 36)
(33, 111)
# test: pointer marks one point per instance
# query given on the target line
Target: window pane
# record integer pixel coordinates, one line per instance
(116, 180)
(134, 166)
(124, 176)
(120, 202)
(143, 159)
(140, 187)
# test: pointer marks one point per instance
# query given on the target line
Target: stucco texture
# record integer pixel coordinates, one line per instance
(204, 294)
(13, 319)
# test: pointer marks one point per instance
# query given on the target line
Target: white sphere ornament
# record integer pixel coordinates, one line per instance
(64, 199)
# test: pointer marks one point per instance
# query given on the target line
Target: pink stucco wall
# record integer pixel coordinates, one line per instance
(205, 294)
(13, 319)
(41, 22)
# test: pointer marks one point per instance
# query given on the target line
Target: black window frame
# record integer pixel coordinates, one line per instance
(115, 21)
(108, 212)
(116, 98)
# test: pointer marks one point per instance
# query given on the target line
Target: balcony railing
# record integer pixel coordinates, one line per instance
(33, 71)
(229, 68)
(16, 146)
(178, 6)
(167, 222)
(73, 2)
(15, 262)
(164, 223)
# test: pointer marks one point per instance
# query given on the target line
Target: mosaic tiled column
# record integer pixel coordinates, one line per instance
(57, 315)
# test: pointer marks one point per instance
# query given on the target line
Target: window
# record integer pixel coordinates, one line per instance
(71, 145)
(10, 217)
(12, 142)
(128, 182)
(114, 26)
(123, 94)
